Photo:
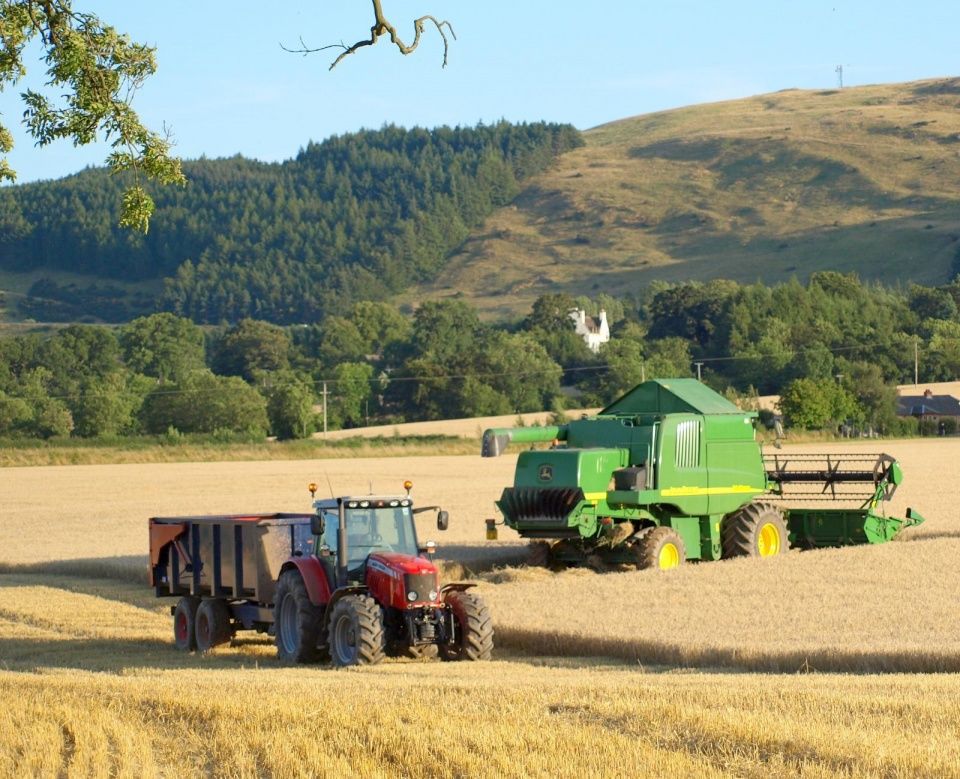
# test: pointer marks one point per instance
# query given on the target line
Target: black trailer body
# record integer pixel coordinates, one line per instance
(236, 558)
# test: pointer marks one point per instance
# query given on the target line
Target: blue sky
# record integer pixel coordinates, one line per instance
(225, 85)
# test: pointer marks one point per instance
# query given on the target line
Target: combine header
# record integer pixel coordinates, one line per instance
(862, 482)
(673, 471)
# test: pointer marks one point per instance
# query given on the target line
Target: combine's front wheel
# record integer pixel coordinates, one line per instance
(660, 548)
(538, 554)
(298, 624)
(755, 530)
(474, 628)
(356, 631)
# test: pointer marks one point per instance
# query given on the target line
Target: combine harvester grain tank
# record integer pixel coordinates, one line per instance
(672, 471)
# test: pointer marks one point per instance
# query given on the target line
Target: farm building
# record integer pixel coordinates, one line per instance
(595, 332)
(928, 406)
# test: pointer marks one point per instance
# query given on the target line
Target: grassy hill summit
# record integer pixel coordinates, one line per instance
(861, 179)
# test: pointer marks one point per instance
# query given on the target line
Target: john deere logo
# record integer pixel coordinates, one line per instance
(546, 473)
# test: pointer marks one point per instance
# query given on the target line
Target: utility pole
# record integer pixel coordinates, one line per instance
(916, 360)
(643, 372)
(698, 364)
(324, 409)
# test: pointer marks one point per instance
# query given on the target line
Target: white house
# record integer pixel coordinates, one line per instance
(594, 331)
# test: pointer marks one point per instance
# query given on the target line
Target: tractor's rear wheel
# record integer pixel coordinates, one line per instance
(356, 631)
(298, 624)
(660, 548)
(474, 639)
(754, 530)
(212, 624)
(184, 623)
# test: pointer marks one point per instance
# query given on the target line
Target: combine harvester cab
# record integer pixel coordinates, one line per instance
(349, 582)
(669, 472)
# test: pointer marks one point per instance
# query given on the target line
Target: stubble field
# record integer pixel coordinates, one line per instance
(835, 662)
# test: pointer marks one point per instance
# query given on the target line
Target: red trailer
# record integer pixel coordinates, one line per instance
(349, 581)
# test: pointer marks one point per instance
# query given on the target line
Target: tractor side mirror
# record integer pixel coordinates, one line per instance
(317, 525)
(443, 520)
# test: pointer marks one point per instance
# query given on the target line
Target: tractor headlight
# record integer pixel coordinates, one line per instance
(433, 594)
(412, 596)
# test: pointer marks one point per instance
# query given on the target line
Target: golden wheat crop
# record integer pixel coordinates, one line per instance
(92, 686)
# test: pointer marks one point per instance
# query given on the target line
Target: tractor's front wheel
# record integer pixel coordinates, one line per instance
(660, 548)
(356, 631)
(298, 624)
(421, 652)
(474, 639)
(754, 530)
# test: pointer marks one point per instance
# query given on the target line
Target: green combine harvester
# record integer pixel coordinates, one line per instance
(672, 471)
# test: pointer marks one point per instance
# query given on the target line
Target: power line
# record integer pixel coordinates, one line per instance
(381, 379)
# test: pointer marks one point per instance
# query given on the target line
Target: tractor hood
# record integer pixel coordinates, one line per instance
(400, 564)
(402, 581)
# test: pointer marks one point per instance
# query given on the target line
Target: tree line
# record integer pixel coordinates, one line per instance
(833, 348)
(356, 217)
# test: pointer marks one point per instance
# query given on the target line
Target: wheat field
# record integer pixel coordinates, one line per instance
(827, 663)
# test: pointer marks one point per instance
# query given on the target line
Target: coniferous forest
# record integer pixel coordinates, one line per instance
(356, 217)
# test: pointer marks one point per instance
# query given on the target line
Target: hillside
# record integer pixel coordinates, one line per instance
(861, 179)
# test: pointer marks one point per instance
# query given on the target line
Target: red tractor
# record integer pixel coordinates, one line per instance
(349, 582)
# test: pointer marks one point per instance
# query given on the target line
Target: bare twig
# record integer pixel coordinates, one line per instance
(381, 26)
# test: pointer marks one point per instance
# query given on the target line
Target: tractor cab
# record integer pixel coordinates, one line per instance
(373, 524)
(361, 540)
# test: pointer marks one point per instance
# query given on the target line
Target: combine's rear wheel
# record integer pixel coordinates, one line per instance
(212, 624)
(298, 624)
(660, 548)
(755, 530)
(356, 631)
(184, 623)
(474, 628)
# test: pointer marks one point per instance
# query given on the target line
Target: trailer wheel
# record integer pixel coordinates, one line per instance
(184, 623)
(298, 624)
(474, 639)
(212, 626)
(356, 631)
(754, 530)
(660, 548)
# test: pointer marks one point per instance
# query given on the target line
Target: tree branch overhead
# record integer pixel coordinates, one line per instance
(383, 27)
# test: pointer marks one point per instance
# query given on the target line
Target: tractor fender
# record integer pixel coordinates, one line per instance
(343, 592)
(456, 587)
(314, 578)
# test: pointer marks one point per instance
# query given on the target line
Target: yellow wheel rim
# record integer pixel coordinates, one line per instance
(768, 540)
(669, 557)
